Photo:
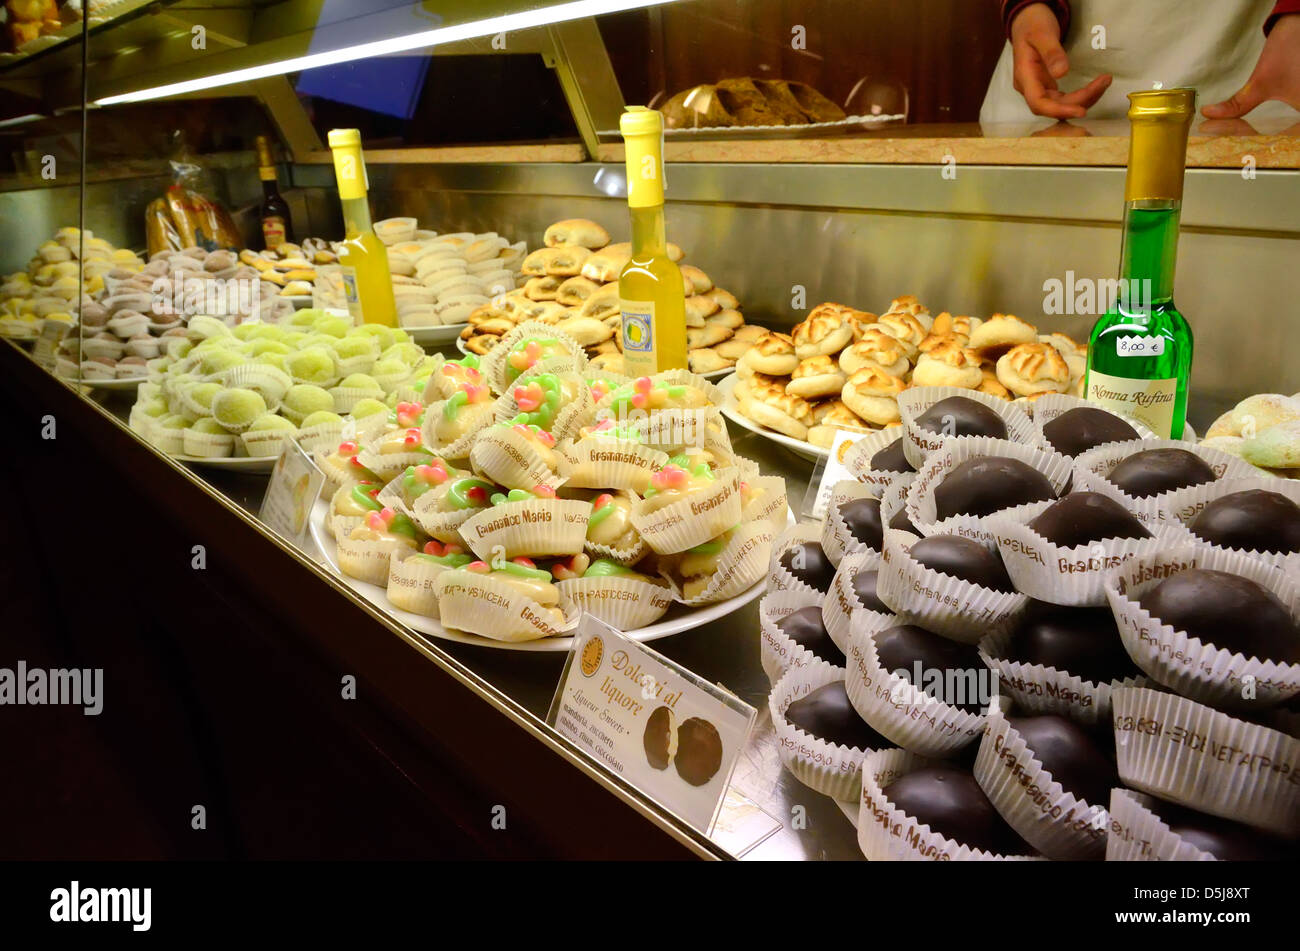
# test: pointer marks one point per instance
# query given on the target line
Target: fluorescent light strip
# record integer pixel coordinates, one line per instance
(21, 120)
(560, 13)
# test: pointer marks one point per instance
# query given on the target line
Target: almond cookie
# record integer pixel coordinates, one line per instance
(999, 334)
(873, 394)
(789, 415)
(948, 364)
(960, 326)
(1032, 368)
(773, 354)
(833, 416)
(906, 328)
(816, 377)
(823, 332)
(875, 348)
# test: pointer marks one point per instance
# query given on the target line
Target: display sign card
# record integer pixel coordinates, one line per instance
(826, 473)
(47, 344)
(651, 721)
(295, 484)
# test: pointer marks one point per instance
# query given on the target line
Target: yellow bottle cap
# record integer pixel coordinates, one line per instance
(643, 146)
(349, 166)
(1160, 121)
(344, 137)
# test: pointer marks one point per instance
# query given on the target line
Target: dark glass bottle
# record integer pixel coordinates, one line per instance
(277, 226)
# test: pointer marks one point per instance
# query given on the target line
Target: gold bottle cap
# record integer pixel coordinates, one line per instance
(344, 137)
(1160, 121)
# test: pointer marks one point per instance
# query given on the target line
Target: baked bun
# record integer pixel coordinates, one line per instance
(859, 321)
(541, 288)
(832, 416)
(576, 231)
(1033, 368)
(773, 354)
(609, 362)
(750, 332)
(873, 394)
(726, 300)
(586, 330)
(731, 319)
(698, 307)
(816, 377)
(733, 349)
(823, 332)
(574, 291)
(566, 261)
(606, 264)
(535, 264)
(696, 281)
(787, 414)
(705, 360)
(999, 334)
(708, 336)
(602, 303)
(948, 364)
(758, 386)
(875, 349)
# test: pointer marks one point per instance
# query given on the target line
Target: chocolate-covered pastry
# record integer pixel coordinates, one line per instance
(962, 416)
(699, 751)
(827, 714)
(1226, 841)
(864, 588)
(1076, 431)
(1254, 520)
(1070, 754)
(988, 484)
(658, 738)
(901, 648)
(891, 458)
(807, 562)
(1085, 517)
(1153, 471)
(963, 558)
(806, 629)
(1228, 611)
(1080, 641)
(951, 803)
(862, 516)
(901, 521)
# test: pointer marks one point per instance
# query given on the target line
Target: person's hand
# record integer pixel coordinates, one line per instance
(1040, 61)
(1276, 75)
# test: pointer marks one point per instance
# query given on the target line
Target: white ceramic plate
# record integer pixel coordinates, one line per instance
(125, 384)
(299, 301)
(255, 464)
(680, 617)
(731, 410)
(437, 336)
(711, 375)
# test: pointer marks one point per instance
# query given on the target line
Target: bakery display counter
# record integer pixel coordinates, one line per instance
(427, 684)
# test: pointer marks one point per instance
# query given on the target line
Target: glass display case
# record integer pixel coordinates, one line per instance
(168, 191)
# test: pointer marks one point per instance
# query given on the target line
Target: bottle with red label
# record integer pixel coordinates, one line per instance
(277, 226)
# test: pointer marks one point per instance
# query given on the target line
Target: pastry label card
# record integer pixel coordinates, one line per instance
(651, 721)
(295, 484)
(47, 344)
(828, 472)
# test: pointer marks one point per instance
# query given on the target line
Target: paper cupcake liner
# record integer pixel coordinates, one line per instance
(169, 441)
(1052, 820)
(393, 495)
(956, 450)
(599, 463)
(837, 540)
(389, 381)
(508, 458)
(533, 528)
(693, 520)
(919, 443)
(339, 526)
(493, 366)
(628, 556)
(673, 430)
(1051, 405)
(1137, 834)
(1182, 506)
(346, 397)
(831, 769)
(572, 415)
(1187, 753)
(626, 604)
(938, 602)
(336, 475)
(894, 499)
(887, 834)
(740, 566)
(1093, 467)
(413, 583)
(1071, 576)
(777, 652)
(858, 459)
(1197, 670)
(389, 465)
(841, 602)
(270, 383)
(361, 363)
(207, 445)
(444, 525)
(892, 706)
(487, 606)
(779, 578)
(770, 506)
(267, 443)
(1039, 689)
(323, 436)
(480, 417)
(366, 560)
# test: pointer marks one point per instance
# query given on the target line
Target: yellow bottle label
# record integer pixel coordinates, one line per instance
(643, 144)
(273, 231)
(350, 170)
(1150, 402)
(352, 294)
(640, 356)
(266, 173)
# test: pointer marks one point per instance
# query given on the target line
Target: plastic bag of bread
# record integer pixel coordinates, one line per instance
(201, 221)
(748, 102)
(160, 231)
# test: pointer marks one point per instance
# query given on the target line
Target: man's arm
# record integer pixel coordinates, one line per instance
(1061, 9)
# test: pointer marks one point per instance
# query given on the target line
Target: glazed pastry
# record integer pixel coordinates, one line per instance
(449, 555)
(449, 377)
(610, 525)
(400, 441)
(542, 442)
(386, 527)
(356, 500)
(672, 484)
(456, 493)
(406, 416)
(699, 564)
(647, 395)
(342, 467)
(529, 351)
(523, 575)
(544, 395)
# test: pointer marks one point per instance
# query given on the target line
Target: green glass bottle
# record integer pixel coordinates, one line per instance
(1140, 352)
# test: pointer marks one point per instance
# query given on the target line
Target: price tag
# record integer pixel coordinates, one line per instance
(826, 473)
(295, 484)
(47, 344)
(1140, 346)
(651, 721)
